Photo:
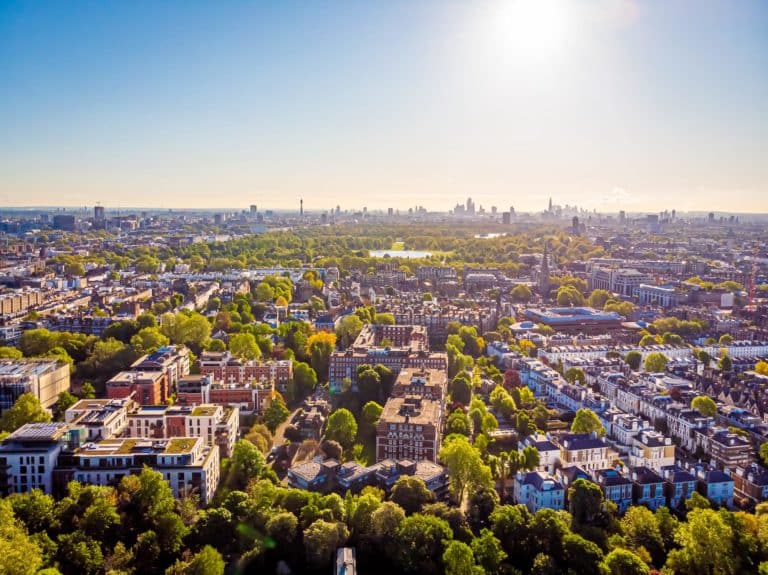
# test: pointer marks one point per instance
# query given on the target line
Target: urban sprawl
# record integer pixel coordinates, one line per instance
(476, 391)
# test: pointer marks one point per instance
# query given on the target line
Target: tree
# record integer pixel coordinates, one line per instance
(705, 545)
(575, 374)
(623, 562)
(482, 502)
(458, 559)
(581, 555)
(282, 528)
(761, 367)
(369, 418)
(147, 340)
(121, 330)
(649, 339)
(216, 344)
(320, 346)
(384, 318)
(10, 353)
(466, 469)
(386, 520)
(26, 409)
(276, 413)
(569, 296)
(764, 453)
(20, 555)
(459, 423)
(332, 449)
(461, 390)
(641, 530)
(207, 561)
(264, 292)
(585, 500)
(348, 329)
(246, 463)
(521, 293)
(725, 364)
(65, 401)
(368, 384)
(705, 405)
(633, 360)
(586, 421)
(488, 552)
(304, 378)
(244, 346)
(87, 391)
(419, 542)
(342, 427)
(598, 298)
(655, 362)
(321, 539)
(427, 296)
(725, 339)
(411, 493)
(704, 357)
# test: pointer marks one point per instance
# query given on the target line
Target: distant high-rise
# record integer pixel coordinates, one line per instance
(575, 230)
(98, 213)
(390, 211)
(622, 216)
(64, 222)
(506, 218)
(711, 217)
(549, 209)
(470, 206)
(254, 209)
(301, 207)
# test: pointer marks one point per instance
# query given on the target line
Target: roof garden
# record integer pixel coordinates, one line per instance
(180, 445)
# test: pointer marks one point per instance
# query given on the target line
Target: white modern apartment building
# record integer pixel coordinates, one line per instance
(188, 464)
(30, 454)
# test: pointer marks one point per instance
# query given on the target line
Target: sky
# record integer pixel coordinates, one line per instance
(641, 105)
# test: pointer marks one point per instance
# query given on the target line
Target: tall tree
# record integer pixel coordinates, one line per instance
(342, 427)
(586, 421)
(466, 469)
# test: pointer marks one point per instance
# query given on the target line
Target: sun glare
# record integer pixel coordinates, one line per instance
(531, 31)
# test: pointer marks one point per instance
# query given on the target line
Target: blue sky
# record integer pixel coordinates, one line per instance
(609, 104)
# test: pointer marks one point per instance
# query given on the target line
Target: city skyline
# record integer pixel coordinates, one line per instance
(610, 105)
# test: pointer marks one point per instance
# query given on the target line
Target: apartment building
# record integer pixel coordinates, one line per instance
(30, 454)
(215, 424)
(146, 387)
(44, 378)
(188, 464)
(101, 418)
(426, 383)
(227, 369)
(173, 360)
(410, 427)
(394, 346)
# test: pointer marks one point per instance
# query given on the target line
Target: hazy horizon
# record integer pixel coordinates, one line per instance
(606, 104)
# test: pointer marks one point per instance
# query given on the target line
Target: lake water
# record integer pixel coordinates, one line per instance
(410, 254)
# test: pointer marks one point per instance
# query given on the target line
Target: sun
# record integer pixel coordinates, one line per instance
(531, 31)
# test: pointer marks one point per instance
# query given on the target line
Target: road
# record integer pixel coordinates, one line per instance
(279, 438)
